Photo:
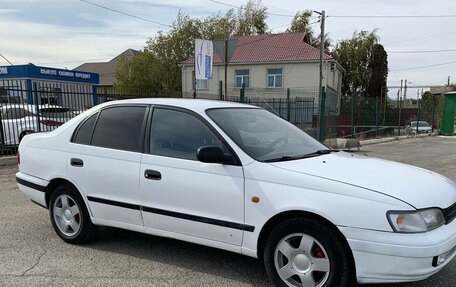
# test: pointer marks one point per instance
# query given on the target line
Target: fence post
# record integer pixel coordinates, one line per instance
(321, 136)
(288, 105)
(400, 112)
(352, 116)
(418, 115)
(376, 116)
(36, 102)
(433, 113)
(221, 90)
(242, 93)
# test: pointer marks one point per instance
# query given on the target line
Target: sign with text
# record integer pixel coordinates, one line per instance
(204, 51)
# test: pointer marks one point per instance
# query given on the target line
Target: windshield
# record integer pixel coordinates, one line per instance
(263, 135)
(420, 124)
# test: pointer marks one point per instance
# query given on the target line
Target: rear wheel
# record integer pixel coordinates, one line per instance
(303, 252)
(69, 215)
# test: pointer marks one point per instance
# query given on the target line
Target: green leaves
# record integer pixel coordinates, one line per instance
(366, 65)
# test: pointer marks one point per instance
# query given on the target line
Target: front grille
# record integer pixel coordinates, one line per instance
(450, 213)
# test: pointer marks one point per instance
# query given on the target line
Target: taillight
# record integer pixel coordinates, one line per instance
(18, 158)
(51, 123)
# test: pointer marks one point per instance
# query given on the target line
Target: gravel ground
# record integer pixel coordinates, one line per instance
(31, 254)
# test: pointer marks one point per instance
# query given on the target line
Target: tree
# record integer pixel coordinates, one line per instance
(157, 70)
(378, 72)
(354, 55)
(301, 23)
(252, 19)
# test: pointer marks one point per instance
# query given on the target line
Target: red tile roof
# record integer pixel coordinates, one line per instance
(271, 48)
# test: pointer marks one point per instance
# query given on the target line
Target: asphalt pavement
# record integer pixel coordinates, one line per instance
(31, 254)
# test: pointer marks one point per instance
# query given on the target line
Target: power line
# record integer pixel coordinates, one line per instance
(241, 7)
(423, 67)
(422, 51)
(74, 61)
(126, 14)
(6, 60)
(392, 16)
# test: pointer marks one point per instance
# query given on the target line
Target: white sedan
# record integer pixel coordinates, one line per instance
(239, 178)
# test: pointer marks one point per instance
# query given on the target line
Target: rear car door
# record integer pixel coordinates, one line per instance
(104, 162)
(182, 195)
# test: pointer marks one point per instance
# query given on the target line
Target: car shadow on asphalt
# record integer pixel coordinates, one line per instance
(197, 258)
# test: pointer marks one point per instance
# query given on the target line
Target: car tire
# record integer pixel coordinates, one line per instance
(306, 252)
(69, 215)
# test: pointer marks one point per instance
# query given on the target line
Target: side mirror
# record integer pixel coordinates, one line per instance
(212, 154)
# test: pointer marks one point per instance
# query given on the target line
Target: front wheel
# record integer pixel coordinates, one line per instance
(69, 215)
(303, 252)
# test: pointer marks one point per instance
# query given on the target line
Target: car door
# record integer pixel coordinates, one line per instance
(104, 162)
(182, 195)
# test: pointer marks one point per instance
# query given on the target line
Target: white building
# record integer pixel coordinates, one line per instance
(268, 65)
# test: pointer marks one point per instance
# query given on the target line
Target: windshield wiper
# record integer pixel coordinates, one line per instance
(283, 158)
(316, 153)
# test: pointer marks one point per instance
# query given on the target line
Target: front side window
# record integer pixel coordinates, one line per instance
(275, 78)
(178, 134)
(242, 77)
(119, 128)
(263, 135)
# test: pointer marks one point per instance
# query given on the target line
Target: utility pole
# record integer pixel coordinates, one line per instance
(405, 92)
(320, 82)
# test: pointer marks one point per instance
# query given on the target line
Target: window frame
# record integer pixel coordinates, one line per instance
(197, 81)
(242, 77)
(275, 78)
(236, 160)
(143, 127)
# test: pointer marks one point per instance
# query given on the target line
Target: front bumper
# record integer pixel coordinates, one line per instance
(386, 257)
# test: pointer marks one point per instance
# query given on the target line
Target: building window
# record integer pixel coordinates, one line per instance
(242, 77)
(202, 84)
(275, 78)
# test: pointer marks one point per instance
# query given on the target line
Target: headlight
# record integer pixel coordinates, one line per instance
(416, 221)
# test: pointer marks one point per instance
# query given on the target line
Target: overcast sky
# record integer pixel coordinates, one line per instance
(67, 33)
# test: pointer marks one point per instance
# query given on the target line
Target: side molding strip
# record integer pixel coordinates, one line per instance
(30, 184)
(115, 203)
(185, 216)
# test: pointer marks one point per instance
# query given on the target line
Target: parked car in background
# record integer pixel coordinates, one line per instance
(239, 178)
(423, 127)
(18, 120)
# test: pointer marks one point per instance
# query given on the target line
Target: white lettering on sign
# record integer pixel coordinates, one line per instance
(82, 76)
(48, 72)
(66, 74)
(3, 70)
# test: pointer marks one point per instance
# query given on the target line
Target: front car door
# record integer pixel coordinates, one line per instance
(182, 195)
(104, 162)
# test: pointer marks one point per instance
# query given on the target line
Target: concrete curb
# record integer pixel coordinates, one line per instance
(390, 139)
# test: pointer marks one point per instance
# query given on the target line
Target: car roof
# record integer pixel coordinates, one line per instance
(198, 105)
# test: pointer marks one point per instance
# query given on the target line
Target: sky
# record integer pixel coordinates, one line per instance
(67, 33)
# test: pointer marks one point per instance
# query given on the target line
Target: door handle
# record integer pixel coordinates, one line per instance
(76, 162)
(152, 174)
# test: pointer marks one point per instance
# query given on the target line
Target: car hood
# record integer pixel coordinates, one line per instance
(418, 187)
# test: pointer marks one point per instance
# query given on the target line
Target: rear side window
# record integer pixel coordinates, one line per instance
(85, 130)
(119, 128)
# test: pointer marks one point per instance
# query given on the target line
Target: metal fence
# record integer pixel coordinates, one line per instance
(45, 106)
